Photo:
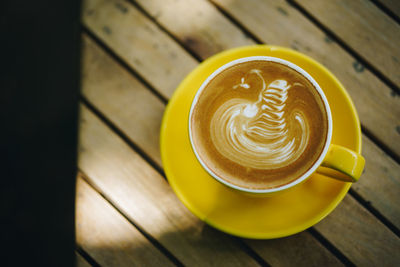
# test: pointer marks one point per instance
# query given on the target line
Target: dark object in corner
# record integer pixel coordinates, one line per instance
(39, 81)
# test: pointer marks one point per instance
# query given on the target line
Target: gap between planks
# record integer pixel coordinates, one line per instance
(380, 144)
(89, 259)
(121, 62)
(375, 212)
(346, 261)
(342, 43)
(151, 239)
(182, 44)
(123, 136)
(386, 10)
(80, 261)
(162, 28)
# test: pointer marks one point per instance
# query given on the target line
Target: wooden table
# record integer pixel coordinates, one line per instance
(135, 53)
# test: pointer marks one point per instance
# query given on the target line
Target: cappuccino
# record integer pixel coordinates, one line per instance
(259, 124)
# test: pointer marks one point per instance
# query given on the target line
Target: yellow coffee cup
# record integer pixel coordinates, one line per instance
(349, 164)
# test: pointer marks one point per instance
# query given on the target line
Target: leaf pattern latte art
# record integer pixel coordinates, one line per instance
(265, 134)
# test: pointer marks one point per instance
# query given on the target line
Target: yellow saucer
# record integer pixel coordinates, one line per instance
(236, 213)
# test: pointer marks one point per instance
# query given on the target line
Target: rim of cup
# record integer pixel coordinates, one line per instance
(293, 66)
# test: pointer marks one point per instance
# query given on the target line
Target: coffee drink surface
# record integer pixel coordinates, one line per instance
(259, 125)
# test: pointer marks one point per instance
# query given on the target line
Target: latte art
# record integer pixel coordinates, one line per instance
(258, 124)
(265, 134)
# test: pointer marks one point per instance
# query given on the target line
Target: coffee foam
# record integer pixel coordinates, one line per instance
(253, 123)
(262, 134)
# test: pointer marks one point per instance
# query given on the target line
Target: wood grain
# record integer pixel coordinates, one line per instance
(277, 22)
(109, 92)
(146, 198)
(107, 236)
(360, 236)
(146, 48)
(197, 24)
(298, 250)
(392, 5)
(80, 261)
(363, 27)
(380, 182)
(122, 98)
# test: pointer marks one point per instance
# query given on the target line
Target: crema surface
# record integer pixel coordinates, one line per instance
(259, 125)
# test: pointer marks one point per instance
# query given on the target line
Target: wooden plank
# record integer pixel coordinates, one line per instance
(360, 236)
(143, 45)
(296, 250)
(377, 106)
(80, 261)
(392, 5)
(107, 100)
(119, 95)
(107, 236)
(380, 183)
(363, 27)
(197, 24)
(146, 198)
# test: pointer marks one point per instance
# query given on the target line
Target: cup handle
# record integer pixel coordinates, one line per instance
(345, 161)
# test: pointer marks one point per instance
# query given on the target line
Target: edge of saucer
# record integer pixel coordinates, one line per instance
(333, 204)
